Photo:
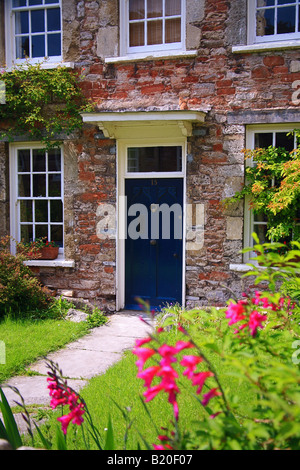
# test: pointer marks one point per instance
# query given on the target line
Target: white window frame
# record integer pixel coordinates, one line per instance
(10, 42)
(253, 39)
(126, 50)
(250, 144)
(15, 223)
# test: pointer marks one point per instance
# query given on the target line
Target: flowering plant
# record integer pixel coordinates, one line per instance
(42, 242)
(250, 345)
(272, 188)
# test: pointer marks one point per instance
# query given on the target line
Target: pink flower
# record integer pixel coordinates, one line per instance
(199, 380)
(143, 355)
(190, 362)
(141, 342)
(152, 392)
(148, 375)
(211, 394)
(63, 395)
(65, 421)
(180, 345)
(167, 353)
(255, 322)
(236, 312)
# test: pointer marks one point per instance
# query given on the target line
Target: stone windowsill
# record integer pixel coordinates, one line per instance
(151, 56)
(59, 262)
(44, 65)
(240, 268)
(267, 46)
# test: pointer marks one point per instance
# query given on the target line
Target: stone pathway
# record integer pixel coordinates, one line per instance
(80, 361)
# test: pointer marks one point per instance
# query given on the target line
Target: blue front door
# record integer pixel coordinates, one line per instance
(153, 248)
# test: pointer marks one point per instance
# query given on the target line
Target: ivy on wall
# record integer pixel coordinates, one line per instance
(41, 104)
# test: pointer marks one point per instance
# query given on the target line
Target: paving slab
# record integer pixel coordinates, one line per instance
(83, 359)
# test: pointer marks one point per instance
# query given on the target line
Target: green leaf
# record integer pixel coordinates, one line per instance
(47, 444)
(60, 439)
(109, 443)
(13, 435)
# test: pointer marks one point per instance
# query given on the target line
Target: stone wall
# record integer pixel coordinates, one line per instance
(234, 89)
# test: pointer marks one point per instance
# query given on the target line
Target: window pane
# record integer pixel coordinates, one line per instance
(287, 142)
(26, 233)
(53, 19)
(56, 209)
(22, 47)
(26, 211)
(54, 160)
(23, 160)
(24, 186)
(41, 231)
(173, 7)
(54, 185)
(136, 34)
(19, 3)
(154, 8)
(54, 44)
(57, 234)
(136, 9)
(146, 159)
(263, 140)
(263, 3)
(261, 231)
(265, 22)
(285, 2)
(35, 2)
(48, 2)
(22, 22)
(286, 20)
(155, 32)
(39, 185)
(260, 218)
(39, 160)
(41, 211)
(38, 46)
(38, 21)
(173, 30)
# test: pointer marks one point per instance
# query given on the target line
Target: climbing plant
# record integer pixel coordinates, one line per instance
(41, 103)
(273, 188)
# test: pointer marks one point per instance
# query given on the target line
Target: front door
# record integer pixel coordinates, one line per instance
(154, 246)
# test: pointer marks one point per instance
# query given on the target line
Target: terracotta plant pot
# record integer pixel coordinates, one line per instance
(49, 252)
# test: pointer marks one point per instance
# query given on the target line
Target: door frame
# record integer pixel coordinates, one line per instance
(121, 219)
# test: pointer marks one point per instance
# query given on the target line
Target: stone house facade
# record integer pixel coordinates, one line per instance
(180, 88)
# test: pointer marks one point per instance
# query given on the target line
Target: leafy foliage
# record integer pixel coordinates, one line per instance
(19, 288)
(41, 103)
(273, 186)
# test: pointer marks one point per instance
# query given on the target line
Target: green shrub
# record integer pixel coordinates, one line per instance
(20, 290)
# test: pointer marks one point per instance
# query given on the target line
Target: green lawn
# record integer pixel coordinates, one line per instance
(120, 385)
(26, 340)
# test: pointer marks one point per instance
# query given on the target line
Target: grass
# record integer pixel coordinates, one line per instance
(26, 340)
(120, 385)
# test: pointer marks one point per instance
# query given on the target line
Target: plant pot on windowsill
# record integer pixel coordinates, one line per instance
(49, 252)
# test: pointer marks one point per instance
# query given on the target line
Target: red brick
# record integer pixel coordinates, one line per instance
(260, 72)
(272, 61)
(226, 91)
(149, 90)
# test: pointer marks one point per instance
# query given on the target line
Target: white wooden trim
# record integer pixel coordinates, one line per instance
(10, 46)
(264, 42)
(13, 178)
(125, 50)
(150, 56)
